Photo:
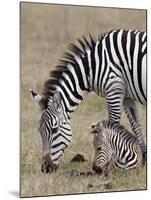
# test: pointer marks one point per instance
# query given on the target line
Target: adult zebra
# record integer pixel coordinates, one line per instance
(115, 147)
(113, 67)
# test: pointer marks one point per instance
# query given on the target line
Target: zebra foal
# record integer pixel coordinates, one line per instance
(115, 147)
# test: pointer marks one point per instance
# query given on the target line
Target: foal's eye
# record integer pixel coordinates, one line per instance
(55, 130)
(99, 148)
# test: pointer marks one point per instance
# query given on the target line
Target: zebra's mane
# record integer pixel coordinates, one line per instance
(80, 51)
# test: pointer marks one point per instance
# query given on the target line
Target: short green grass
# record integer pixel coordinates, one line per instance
(45, 33)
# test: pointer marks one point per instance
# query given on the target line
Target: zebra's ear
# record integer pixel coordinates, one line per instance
(94, 129)
(57, 97)
(39, 99)
(57, 100)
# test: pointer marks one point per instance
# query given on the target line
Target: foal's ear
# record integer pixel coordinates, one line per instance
(94, 129)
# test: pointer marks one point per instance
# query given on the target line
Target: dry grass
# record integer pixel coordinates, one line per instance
(46, 31)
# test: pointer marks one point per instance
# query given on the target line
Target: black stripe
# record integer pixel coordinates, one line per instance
(100, 63)
(57, 152)
(115, 40)
(79, 75)
(59, 144)
(124, 42)
(104, 68)
(86, 68)
(132, 47)
(93, 65)
(108, 46)
(75, 93)
(59, 135)
(139, 66)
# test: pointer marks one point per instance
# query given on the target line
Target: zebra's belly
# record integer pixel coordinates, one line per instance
(141, 99)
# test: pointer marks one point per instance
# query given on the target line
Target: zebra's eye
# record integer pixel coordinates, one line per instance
(55, 130)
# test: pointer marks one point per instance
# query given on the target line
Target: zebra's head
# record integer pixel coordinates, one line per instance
(103, 151)
(54, 129)
(98, 130)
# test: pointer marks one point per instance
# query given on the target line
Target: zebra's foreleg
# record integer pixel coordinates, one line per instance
(131, 111)
(115, 96)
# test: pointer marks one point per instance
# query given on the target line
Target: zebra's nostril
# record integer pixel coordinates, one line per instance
(49, 167)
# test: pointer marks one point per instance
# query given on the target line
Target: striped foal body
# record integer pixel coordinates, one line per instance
(115, 147)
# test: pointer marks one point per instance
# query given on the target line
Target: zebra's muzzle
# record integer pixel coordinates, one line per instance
(48, 166)
(97, 168)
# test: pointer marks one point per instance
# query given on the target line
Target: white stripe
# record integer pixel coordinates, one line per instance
(135, 58)
(57, 155)
(144, 36)
(97, 66)
(144, 47)
(109, 63)
(73, 98)
(105, 75)
(128, 49)
(79, 90)
(70, 108)
(135, 31)
(90, 67)
(132, 162)
(67, 126)
(144, 75)
(66, 133)
(78, 60)
(57, 141)
(114, 55)
(102, 69)
(119, 42)
(68, 137)
(65, 113)
(68, 79)
(112, 74)
(127, 153)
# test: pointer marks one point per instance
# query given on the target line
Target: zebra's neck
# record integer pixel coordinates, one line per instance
(79, 72)
(73, 85)
(73, 78)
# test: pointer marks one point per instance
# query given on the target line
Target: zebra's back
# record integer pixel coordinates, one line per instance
(125, 52)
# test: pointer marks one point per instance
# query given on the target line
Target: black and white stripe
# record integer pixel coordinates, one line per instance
(114, 66)
(114, 144)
